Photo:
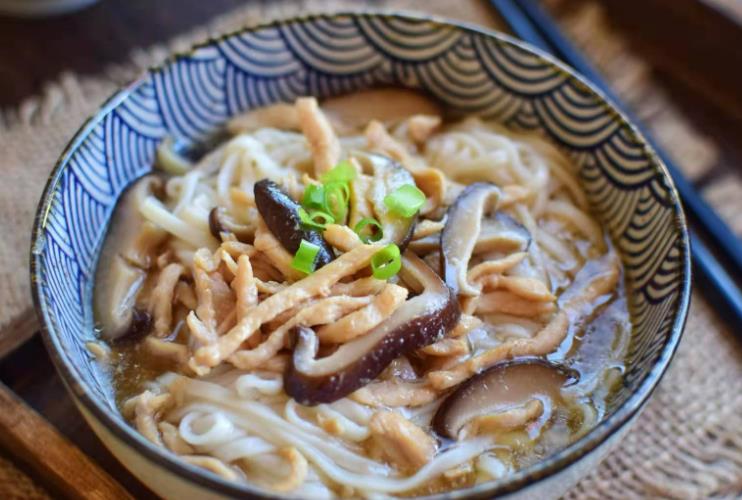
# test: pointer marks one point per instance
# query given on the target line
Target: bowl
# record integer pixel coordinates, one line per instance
(470, 70)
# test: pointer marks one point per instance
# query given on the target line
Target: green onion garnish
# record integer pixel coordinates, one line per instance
(337, 195)
(314, 197)
(304, 259)
(316, 219)
(375, 230)
(342, 172)
(386, 262)
(405, 201)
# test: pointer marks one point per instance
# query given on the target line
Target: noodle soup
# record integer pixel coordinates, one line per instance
(361, 298)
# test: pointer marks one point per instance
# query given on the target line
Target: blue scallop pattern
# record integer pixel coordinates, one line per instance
(469, 71)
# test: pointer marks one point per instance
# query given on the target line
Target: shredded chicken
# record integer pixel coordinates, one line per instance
(447, 347)
(237, 248)
(269, 287)
(168, 350)
(245, 287)
(401, 442)
(359, 287)
(491, 267)
(185, 295)
(201, 333)
(361, 321)
(212, 464)
(317, 283)
(215, 298)
(512, 418)
(162, 297)
(321, 312)
(466, 323)
(318, 131)
(394, 393)
(427, 228)
(264, 270)
(421, 127)
(510, 303)
(266, 243)
(173, 441)
(431, 181)
(341, 237)
(524, 287)
(547, 339)
(147, 406)
(299, 469)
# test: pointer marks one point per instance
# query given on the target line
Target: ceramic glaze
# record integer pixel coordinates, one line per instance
(471, 72)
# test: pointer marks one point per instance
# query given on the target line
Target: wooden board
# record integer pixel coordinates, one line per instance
(35, 443)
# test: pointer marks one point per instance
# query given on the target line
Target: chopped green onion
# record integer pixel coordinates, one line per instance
(337, 195)
(314, 197)
(376, 232)
(316, 219)
(405, 201)
(304, 259)
(386, 262)
(342, 172)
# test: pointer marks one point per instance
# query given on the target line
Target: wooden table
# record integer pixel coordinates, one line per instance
(694, 51)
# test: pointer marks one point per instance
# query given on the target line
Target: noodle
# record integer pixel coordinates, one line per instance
(230, 311)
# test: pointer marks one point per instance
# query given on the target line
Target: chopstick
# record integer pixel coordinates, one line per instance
(534, 25)
(60, 464)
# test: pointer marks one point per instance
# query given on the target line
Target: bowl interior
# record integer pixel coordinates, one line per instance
(469, 70)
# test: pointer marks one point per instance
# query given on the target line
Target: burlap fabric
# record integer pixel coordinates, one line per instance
(687, 444)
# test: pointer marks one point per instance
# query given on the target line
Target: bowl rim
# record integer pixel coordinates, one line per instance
(542, 469)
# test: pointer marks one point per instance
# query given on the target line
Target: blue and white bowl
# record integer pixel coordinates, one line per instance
(470, 70)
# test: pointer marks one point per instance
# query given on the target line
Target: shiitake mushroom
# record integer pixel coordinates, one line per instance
(420, 321)
(474, 225)
(503, 386)
(459, 236)
(388, 176)
(280, 213)
(122, 268)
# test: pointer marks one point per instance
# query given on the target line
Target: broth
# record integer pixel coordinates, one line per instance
(355, 379)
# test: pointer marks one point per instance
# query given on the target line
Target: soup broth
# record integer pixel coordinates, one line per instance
(361, 298)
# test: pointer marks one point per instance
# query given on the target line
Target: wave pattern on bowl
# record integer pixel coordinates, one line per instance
(470, 71)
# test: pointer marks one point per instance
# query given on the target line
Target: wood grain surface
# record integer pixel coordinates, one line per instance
(61, 464)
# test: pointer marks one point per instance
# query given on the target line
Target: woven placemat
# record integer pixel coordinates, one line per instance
(688, 442)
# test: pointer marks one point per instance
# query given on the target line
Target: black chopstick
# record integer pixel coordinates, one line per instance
(532, 24)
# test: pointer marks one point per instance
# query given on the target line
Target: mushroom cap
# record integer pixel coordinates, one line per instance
(281, 215)
(420, 321)
(504, 386)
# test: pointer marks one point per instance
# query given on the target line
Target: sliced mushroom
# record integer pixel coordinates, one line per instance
(418, 322)
(281, 214)
(128, 252)
(505, 386)
(388, 177)
(220, 222)
(502, 233)
(459, 236)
